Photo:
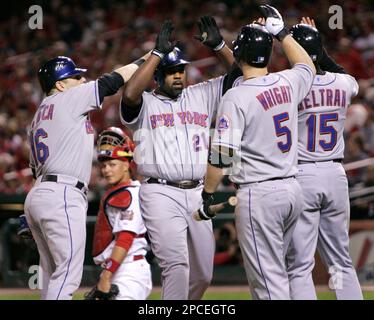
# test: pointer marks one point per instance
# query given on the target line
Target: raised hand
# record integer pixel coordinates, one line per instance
(209, 33)
(308, 21)
(260, 21)
(163, 44)
(274, 22)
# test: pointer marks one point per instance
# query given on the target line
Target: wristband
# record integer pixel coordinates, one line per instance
(111, 265)
(206, 216)
(205, 195)
(157, 53)
(220, 46)
(282, 34)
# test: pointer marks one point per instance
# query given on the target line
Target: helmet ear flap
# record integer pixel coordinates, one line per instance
(159, 77)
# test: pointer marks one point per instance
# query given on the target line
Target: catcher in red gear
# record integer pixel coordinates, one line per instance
(119, 244)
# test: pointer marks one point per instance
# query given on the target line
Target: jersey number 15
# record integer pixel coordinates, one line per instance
(324, 129)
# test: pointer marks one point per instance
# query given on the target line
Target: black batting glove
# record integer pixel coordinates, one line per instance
(209, 33)
(274, 22)
(204, 212)
(163, 44)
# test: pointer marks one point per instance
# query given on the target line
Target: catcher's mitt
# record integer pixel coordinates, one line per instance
(96, 294)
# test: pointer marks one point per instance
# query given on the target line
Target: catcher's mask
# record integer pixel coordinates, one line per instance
(113, 143)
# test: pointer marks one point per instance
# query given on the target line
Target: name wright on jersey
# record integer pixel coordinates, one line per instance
(274, 96)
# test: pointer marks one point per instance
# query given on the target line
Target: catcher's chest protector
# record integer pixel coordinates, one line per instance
(118, 197)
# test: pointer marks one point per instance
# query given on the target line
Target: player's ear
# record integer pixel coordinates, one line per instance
(60, 86)
(126, 165)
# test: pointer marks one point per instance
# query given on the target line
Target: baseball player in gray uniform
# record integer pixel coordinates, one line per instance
(256, 134)
(171, 130)
(61, 140)
(324, 222)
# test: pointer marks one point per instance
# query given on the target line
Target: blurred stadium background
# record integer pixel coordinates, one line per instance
(101, 35)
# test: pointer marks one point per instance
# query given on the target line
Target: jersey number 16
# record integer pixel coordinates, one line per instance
(40, 150)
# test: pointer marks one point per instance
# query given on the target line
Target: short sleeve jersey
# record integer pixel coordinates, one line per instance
(172, 136)
(61, 136)
(322, 114)
(258, 119)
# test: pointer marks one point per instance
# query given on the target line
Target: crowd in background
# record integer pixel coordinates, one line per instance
(102, 35)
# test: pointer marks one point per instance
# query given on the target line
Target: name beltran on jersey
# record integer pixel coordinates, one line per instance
(325, 98)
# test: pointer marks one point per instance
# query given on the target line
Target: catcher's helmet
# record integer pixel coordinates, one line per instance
(253, 45)
(309, 38)
(57, 69)
(113, 143)
(172, 59)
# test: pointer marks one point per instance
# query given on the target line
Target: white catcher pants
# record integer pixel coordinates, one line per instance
(134, 280)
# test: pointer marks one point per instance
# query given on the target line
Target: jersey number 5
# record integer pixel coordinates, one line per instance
(324, 129)
(282, 130)
(40, 150)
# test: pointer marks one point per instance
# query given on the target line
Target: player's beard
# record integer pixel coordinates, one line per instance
(172, 91)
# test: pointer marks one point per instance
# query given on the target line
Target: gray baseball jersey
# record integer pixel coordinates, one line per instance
(324, 221)
(321, 117)
(61, 135)
(258, 119)
(172, 136)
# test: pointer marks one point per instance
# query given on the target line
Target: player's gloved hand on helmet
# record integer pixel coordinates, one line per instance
(209, 33)
(23, 229)
(204, 212)
(163, 44)
(274, 22)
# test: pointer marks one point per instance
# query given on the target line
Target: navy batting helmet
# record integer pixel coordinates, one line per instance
(309, 38)
(253, 45)
(172, 59)
(57, 69)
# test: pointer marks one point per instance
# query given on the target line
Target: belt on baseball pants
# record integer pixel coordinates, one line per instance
(334, 160)
(237, 186)
(54, 178)
(187, 184)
